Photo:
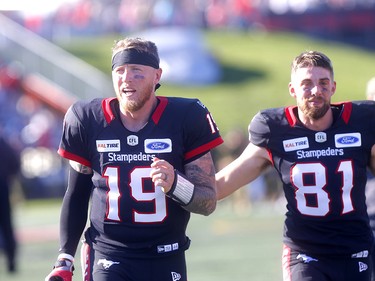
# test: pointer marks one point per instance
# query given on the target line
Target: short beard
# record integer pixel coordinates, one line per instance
(314, 113)
(135, 105)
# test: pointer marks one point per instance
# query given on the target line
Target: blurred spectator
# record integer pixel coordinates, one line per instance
(72, 18)
(9, 168)
(33, 127)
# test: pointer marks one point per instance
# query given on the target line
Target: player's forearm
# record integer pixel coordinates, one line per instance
(222, 190)
(203, 201)
(74, 211)
(243, 170)
(72, 225)
(202, 174)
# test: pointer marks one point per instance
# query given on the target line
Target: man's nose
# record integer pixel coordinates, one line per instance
(316, 90)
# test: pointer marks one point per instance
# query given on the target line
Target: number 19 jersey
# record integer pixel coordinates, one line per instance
(129, 215)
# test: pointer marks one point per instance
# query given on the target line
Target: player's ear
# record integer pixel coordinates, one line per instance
(333, 89)
(157, 78)
(158, 75)
(292, 91)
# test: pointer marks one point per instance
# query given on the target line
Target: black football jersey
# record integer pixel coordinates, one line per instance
(323, 175)
(129, 215)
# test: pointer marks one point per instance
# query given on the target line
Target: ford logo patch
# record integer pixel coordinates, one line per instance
(348, 140)
(158, 145)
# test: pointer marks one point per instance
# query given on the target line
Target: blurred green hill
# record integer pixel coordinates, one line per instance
(256, 70)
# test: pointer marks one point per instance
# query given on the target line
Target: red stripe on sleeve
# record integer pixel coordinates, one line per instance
(204, 148)
(71, 156)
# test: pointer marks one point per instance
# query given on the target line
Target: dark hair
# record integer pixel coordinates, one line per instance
(312, 58)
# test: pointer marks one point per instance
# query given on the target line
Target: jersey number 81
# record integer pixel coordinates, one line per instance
(319, 172)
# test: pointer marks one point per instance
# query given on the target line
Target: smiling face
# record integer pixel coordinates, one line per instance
(312, 87)
(134, 85)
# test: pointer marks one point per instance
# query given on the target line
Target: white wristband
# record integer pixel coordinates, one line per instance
(65, 257)
(182, 189)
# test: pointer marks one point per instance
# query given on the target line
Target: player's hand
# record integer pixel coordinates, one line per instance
(162, 174)
(62, 271)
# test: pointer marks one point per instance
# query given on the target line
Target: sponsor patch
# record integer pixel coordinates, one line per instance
(348, 140)
(108, 145)
(158, 145)
(296, 144)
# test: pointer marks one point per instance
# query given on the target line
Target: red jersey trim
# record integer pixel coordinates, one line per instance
(270, 156)
(159, 109)
(292, 119)
(347, 112)
(107, 111)
(204, 148)
(71, 156)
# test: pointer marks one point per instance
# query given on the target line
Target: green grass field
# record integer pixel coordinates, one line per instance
(228, 245)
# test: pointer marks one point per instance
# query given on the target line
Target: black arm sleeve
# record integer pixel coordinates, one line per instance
(74, 211)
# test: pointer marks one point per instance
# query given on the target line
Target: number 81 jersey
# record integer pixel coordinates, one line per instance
(323, 175)
(129, 215)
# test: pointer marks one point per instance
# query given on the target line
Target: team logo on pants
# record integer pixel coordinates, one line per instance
(305, 258)
(106, 263)
(175, 276)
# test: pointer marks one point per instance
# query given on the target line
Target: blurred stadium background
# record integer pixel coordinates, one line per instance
(232, 54)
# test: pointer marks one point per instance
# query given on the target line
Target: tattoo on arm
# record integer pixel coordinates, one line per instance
(201, 173)
(80, 168)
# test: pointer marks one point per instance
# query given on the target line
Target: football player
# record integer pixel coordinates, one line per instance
(321, 152)
(142, 163)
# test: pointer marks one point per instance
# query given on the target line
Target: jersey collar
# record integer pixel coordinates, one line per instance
(110, 115)
(290, 113)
